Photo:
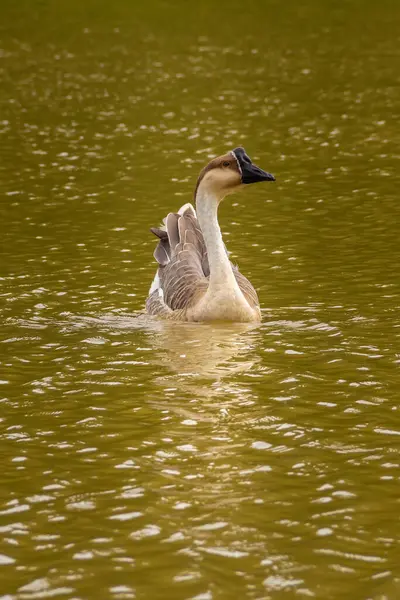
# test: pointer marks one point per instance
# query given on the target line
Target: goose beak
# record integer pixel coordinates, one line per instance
(252, 174)
(249, 171)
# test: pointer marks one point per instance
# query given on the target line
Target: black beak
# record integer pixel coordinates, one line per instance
(250, 172)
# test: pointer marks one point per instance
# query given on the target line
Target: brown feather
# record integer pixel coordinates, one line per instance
(172, 230)
(160, 233)
(184, 269)
(162, 253)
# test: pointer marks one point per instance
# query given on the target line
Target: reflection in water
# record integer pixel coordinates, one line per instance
(204, 359)
(201, 350)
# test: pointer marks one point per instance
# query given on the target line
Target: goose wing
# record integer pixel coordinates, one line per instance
(181, 254)
(246, 288)
(182, 276)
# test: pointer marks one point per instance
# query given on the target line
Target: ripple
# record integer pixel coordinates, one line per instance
(211, 456)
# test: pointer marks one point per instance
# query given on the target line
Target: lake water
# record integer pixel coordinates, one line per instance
(151, 460)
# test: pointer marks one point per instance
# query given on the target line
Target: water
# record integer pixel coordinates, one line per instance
(143, 459)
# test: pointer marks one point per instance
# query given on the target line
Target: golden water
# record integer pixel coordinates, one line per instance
(164, 461)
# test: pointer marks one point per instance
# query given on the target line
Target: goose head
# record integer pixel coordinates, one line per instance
(228, 173)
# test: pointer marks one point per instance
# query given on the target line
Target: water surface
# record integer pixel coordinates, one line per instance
(152, 460)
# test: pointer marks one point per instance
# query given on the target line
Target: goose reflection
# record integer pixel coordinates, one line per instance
(206, 361)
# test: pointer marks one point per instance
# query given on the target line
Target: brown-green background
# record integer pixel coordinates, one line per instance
(174, 462)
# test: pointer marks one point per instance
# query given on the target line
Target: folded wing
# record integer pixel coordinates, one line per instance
(183, 269)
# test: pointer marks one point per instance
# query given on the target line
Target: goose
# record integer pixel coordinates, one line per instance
(195, 280)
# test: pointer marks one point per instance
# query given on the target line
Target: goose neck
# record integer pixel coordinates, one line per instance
(207, 213)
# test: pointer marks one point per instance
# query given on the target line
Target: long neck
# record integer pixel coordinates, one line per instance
(207, 213)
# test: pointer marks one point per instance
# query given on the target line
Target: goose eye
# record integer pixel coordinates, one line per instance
(226, 163)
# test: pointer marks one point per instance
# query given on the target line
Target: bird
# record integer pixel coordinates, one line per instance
(195, 279)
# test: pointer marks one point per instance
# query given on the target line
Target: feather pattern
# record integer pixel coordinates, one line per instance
(195, 280)
(183, 268)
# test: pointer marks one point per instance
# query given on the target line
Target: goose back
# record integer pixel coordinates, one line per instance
(183, 269)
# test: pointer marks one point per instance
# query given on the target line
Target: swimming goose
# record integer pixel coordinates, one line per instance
(195, 280)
